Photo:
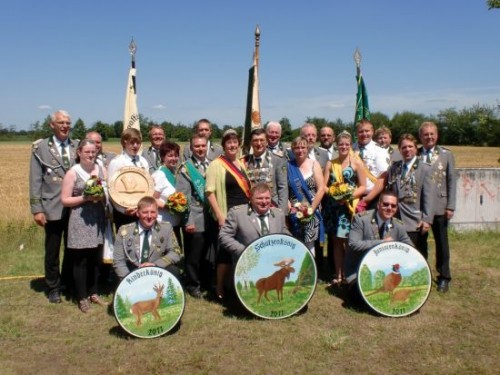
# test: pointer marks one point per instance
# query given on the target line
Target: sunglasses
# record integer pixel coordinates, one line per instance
(387, 204)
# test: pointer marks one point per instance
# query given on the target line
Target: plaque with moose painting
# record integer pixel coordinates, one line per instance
(275, 276)
(148, 302)
(394, 279)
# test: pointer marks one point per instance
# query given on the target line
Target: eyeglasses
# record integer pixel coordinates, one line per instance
(387, 204)
(63, 122)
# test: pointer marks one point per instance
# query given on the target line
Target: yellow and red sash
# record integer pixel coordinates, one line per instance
(240, 176)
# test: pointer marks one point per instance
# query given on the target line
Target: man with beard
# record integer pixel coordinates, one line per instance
(327, 142)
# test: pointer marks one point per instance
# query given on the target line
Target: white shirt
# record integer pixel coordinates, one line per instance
(165, 188)
(66, 147)
(311, 154)
(266, 219)
(375, 159)
(410, 163)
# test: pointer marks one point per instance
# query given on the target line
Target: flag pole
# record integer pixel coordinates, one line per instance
(252, 118)
(131, 113)
(132, 47)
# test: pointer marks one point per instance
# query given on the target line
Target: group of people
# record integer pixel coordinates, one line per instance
(333, 193)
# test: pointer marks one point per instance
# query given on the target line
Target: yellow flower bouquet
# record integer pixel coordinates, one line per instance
(177, 203)
(341, 191)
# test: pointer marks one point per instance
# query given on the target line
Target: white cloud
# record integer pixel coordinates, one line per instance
(159, 107)
(44, 107)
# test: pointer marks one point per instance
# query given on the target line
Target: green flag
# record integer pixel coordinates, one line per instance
(362, 108)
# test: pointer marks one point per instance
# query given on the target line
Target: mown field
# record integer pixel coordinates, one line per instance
(454, 333)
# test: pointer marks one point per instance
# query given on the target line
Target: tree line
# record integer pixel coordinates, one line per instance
(478, 125)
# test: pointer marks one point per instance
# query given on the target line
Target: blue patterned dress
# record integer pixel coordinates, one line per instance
(310, 229)
(336, 216)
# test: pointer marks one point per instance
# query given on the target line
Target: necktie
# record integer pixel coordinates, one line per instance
(405, 171)
(383, 230)
(201, 165)
(158, 159)
(64, 156)
(134, 160)
(263, 225)
(429, 156)
(145, 247)
(361, 152)
(257, 162)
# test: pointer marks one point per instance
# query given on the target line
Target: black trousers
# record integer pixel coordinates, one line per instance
(325, 271)
(55, 233)
(440, 232)
(196, 265)
(85, 271)
(420, 242)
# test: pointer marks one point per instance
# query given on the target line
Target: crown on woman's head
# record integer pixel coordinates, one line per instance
(345, 133)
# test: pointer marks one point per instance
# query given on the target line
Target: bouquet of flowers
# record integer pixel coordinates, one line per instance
(341, 191)
(177, 203)
(94, 187)
(303, 212)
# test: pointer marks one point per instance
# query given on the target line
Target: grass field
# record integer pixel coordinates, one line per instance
(454, 333)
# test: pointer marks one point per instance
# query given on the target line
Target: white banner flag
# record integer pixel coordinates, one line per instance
(131, 114)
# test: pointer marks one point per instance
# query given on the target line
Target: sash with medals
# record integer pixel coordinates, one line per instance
(369, 174)
(238, 175)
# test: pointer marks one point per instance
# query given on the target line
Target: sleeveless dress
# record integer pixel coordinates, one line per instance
(310, 230)
(336, 216)
(86, 221)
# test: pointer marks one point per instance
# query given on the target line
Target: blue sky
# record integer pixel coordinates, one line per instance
(193, 58)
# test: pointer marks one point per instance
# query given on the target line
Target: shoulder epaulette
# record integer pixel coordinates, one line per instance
(125, 229)
(36, 143)
(241, 206)
(399, 221)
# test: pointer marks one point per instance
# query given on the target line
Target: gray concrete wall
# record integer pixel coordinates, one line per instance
(478, 199)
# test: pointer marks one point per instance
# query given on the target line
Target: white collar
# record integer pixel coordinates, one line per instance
(410, 163)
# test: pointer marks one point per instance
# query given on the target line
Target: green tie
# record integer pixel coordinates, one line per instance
(263, 226)
(158, 159)
(145, 247)
(64, 156)
(428, 159)
(257, 162)
(361, 151)
(405, 170)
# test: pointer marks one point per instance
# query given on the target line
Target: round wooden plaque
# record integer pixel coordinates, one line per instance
(128, 185)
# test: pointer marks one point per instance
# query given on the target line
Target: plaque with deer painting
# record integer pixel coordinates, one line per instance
(275, 276)
(149, 302)
(394, 279)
